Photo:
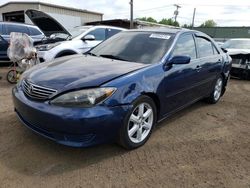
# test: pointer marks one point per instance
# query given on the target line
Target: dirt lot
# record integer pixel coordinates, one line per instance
(202, 146)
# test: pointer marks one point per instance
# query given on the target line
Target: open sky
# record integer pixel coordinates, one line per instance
(223, 12)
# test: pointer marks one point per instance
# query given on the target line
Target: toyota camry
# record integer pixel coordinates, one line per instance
(122, 88)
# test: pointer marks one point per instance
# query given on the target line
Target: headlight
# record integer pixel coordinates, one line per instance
(46, 47)
(84, 98)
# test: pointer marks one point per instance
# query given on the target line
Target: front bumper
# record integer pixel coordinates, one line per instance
(78, 127)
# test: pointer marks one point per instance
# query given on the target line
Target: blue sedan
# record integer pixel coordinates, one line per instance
(119, 90)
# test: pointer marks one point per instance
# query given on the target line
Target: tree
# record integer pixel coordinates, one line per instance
(187, 26)
(208, 23)
(169, 21)
(148, 19)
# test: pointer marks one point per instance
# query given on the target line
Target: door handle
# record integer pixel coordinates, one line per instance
(198, 68)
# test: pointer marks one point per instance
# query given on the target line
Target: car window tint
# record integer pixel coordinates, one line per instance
(112, 32)
(205, 47)
(185, 46)
(34, 31)
(98, 33)
(17, 28)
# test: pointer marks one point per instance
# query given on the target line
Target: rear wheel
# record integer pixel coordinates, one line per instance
(12, 76)
(138, 123)
(217, 91)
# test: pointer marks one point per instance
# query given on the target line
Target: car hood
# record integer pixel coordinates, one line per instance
(45, 22)
(79, 71)
(232, 51)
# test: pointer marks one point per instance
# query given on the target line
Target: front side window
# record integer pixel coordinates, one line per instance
(205, 47)
(185, 46)
(99, 33)
(17, 28)
(112, 32)
(137, 46)
(34, 31)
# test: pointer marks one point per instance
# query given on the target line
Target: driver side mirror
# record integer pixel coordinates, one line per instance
(88, 37)
(179, 60)
(224, 50)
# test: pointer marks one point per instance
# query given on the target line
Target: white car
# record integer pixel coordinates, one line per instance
(62, 42)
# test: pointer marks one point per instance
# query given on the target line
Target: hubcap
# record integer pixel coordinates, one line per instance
(218, 89)
(140, 123)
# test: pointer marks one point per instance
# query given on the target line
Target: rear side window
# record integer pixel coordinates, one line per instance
(34, 31)
(98, 33)
(205, 47)
(16, 28)
(185, 46)
(111, 32)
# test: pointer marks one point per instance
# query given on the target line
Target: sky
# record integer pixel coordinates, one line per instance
(223, 12)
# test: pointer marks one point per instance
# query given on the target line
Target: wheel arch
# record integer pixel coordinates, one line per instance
(65, 52)
(156, 100)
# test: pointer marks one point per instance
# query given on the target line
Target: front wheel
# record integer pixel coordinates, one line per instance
(138, 123)
(217, 91)
(12, 76)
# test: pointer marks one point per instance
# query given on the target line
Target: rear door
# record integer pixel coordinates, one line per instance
(210, 64)
(3, 49)
(3, 46)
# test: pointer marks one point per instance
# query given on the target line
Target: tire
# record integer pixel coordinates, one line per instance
(138, 123)
(12, 76)
(217, 91)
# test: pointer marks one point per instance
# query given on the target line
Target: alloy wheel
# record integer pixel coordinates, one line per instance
(218, 89)
(140, 123)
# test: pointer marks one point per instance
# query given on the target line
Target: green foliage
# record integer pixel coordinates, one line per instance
(148, 19)
(187, 26)
(208, 23)
(169, 21)
(164, 21)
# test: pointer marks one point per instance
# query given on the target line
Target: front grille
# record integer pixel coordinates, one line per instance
(37, 92)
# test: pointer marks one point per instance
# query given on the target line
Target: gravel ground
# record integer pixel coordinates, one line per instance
(202, 146)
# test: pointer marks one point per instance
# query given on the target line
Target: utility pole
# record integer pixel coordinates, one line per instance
(131, 14)
(176, 12)
(193, 18)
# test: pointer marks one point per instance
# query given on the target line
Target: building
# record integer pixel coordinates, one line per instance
(68, 17)
(223, 33)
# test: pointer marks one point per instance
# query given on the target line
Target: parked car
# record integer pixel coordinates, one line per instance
(239, 50)
(7, 27)
(122, 87)
(64, 42)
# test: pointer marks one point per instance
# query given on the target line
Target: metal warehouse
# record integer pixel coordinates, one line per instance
(69, 17)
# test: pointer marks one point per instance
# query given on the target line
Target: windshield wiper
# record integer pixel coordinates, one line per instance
(89, 53)
(112, 57)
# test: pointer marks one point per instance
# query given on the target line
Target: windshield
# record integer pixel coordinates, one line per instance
(75, 32)
(237, 44)
(141, 47)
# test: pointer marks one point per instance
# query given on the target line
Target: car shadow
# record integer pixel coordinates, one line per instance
(32, 155)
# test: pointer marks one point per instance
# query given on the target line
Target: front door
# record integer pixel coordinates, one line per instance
(180, 81)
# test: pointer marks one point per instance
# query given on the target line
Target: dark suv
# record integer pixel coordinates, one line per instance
(7, 27)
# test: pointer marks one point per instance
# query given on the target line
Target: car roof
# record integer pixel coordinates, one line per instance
(17, 23)
(160, 29)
